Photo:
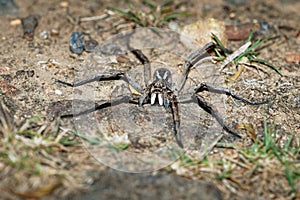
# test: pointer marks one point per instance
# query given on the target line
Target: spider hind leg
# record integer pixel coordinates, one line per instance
(220, 90)
(213, 112)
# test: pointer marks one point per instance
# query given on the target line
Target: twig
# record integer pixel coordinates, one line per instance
(93, 18)
(227, 184)
(237, 162)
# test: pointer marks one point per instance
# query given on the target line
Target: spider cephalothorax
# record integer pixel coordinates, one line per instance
(161, 90)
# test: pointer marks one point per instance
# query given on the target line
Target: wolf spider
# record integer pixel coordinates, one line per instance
(160, 90)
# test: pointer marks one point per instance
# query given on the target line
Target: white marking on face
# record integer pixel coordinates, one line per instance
(160, 99)
(153, 97)
(158, 75)
(166, 75)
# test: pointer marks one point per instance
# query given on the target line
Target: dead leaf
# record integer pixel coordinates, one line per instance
(249, 128)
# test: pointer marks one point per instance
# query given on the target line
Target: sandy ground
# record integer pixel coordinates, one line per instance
(29, 68)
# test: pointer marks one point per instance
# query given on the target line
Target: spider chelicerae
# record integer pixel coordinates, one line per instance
(160, 90)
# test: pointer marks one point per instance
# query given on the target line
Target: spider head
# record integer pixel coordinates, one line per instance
(162, 74)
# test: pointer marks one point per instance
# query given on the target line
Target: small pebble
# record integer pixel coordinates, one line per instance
(15, 22)
(29, 24)
(64, 4)
(264, 26)
(240, 32)
(54, 33)
(122, 59)
(232, 15)
(292, 57)
(58, 92)
(90, 45)
(77, 43)
(173, 26)
(44, 34)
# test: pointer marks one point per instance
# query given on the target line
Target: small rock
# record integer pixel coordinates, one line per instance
(58, 92)
(64, 4)
(90, 45)
(29, 24)
(173, 26)
(44, 34)
(15, 22)
(54, 33)
(292, 58)
(77, 43)
(239, 32)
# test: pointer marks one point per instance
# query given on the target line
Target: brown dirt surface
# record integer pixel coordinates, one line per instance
(47, 169)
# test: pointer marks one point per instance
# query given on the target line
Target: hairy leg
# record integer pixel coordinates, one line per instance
(220, 90)
(106, 104)
(192, 59)
(145, 61)
(209, 109)
(104, 76)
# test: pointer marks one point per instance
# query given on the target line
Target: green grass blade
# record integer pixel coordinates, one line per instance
(129, 15)
(91, 140)
(184, 158)
(217, 40)
(123, 146)
(289, 175)
(256, 44)
(175, 15)
(250, 36)
(150, 3)
(167, 3)
(266, 135)
(218, 59)
(34, 119)
(68, 140)
(264, 62)
(288, 144)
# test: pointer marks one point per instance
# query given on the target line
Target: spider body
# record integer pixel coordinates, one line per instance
(161, 90)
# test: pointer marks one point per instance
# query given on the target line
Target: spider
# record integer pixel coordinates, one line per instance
(161, 91)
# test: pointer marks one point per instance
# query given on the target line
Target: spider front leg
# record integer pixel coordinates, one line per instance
(220, 90)
(105, 76)
(141, 57)
(145, 61)
(192, 59)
